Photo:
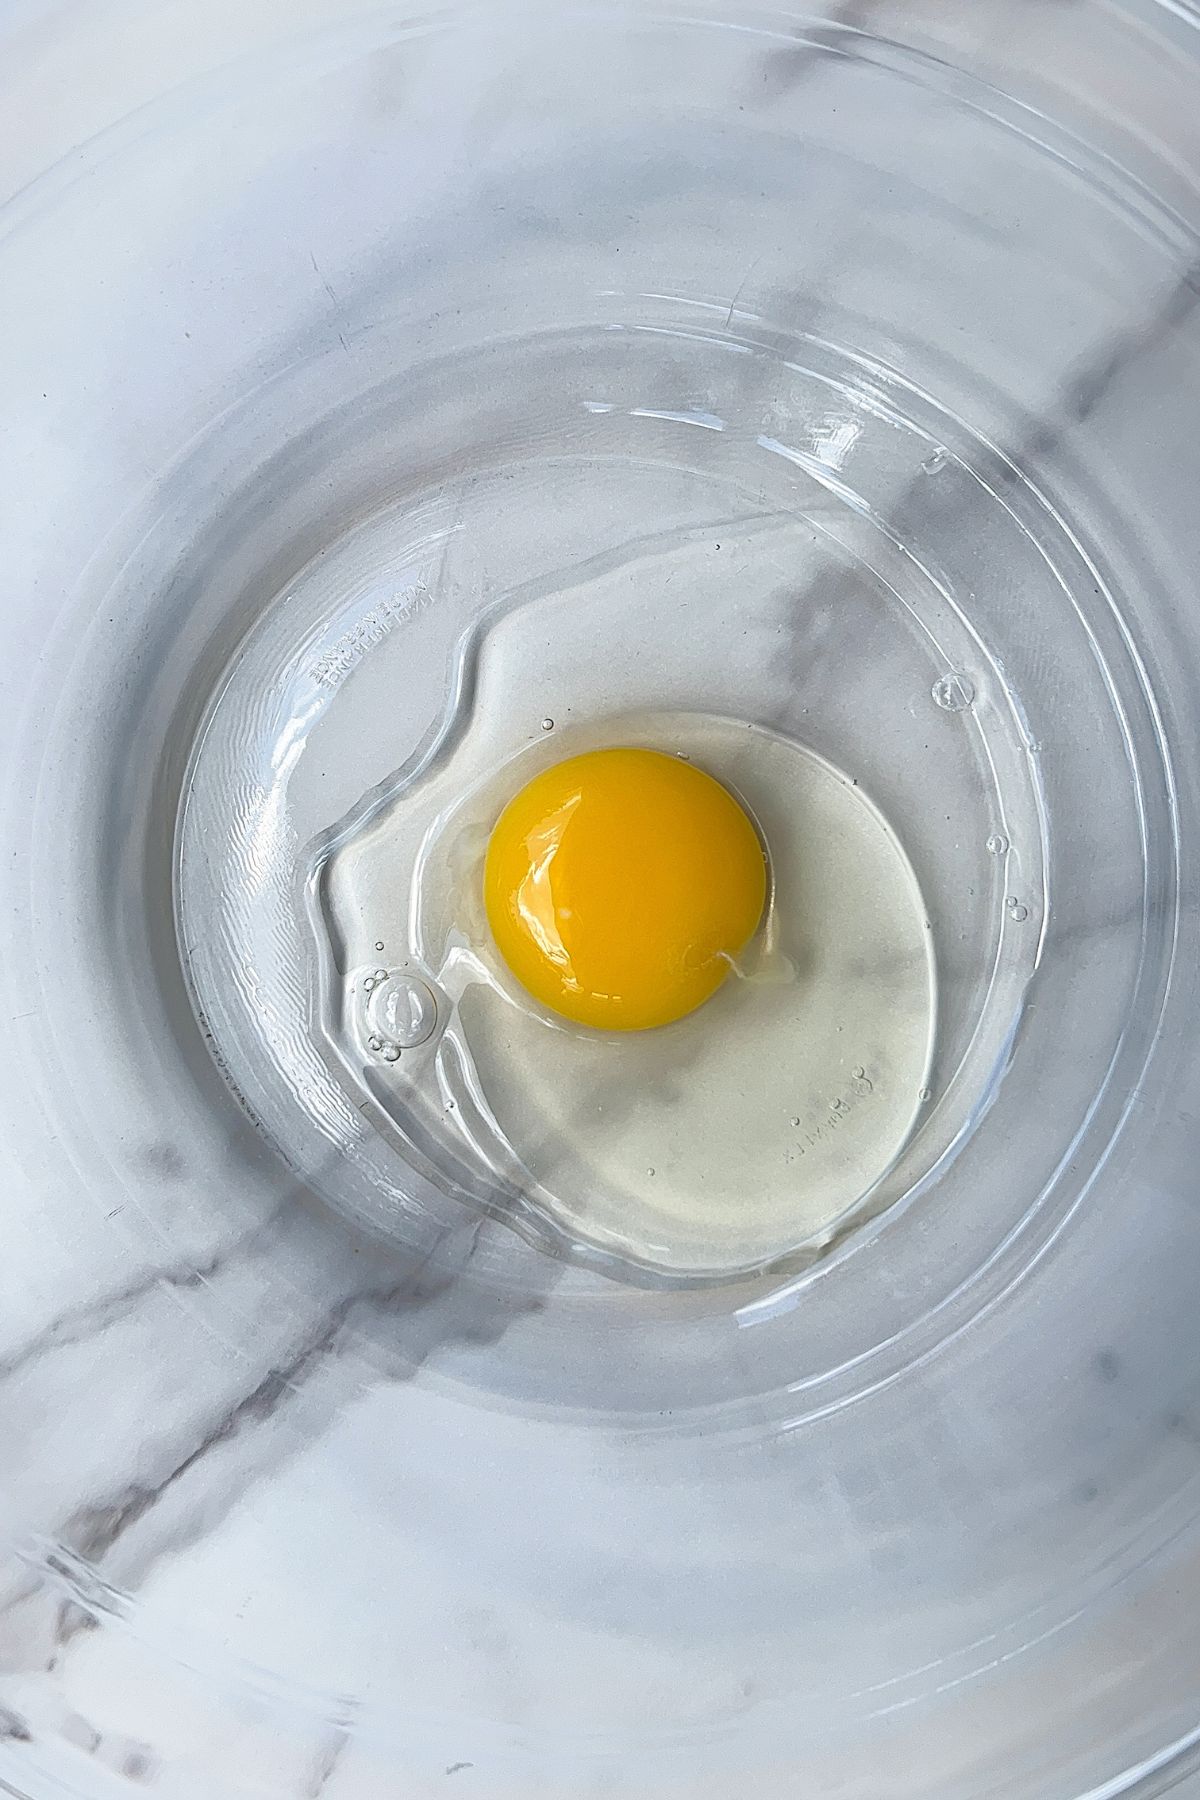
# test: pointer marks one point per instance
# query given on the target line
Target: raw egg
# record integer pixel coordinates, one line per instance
(621, 884)
(586, 854)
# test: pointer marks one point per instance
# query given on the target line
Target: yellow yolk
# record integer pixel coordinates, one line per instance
(619, 884)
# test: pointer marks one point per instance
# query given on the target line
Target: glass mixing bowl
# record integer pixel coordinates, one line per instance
(334, 341)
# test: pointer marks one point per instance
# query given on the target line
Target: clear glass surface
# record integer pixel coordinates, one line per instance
(388, 402)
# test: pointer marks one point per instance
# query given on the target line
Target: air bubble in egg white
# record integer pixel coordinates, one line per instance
(404, 1010)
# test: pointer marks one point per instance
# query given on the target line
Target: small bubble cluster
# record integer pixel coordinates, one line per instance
(1016, 910)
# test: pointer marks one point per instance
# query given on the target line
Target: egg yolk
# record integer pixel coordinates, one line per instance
(620, 883)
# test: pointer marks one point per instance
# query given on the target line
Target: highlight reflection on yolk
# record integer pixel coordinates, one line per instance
(619, 883)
